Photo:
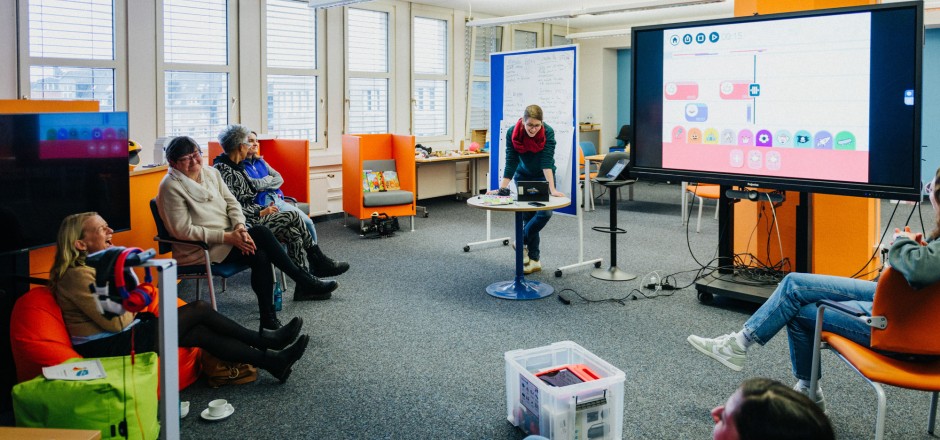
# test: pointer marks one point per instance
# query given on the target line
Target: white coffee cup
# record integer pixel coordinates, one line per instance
(217, 407)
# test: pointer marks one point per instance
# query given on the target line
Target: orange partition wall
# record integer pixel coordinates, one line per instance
(360, 147)
(290, 157)
(755, 230)
(843, 230)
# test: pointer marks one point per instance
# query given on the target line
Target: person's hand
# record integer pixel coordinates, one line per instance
(918, 237)
(242, 240)
(557, 193)
(271, 209)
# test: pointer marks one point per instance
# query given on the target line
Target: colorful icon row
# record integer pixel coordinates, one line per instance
(821, 140)
(85, 133)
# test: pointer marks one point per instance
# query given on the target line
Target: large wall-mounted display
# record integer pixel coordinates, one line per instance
(824, 101)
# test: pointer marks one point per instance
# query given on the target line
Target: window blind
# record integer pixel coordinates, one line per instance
(430, 69)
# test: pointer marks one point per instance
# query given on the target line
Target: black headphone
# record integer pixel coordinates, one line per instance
(142, 295)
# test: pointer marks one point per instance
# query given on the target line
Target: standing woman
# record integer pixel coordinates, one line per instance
(94, 335)
(195, 204)
(530, 155)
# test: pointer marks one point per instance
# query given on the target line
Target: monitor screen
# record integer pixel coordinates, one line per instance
(820, 101)
(56, 164)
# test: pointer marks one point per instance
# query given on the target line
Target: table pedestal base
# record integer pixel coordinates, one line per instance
(612, 274)
(520, 288)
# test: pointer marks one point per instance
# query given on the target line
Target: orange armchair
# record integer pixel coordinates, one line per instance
(376, 147)
(903, 320)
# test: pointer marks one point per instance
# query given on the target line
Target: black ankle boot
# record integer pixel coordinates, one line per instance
(323, 266)
(269, 321)
(314, 289)
(282, 337)
(280, 363)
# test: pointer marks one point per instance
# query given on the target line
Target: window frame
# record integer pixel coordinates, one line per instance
(448, 77)
(388, 76)
(118, 63)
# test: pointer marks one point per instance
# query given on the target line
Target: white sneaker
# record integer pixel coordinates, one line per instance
(531, 267)
(525, 253)
(820, 398)
(724, 349)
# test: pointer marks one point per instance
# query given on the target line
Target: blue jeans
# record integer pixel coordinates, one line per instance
(533, 222)
(283, 205)
(793, 305)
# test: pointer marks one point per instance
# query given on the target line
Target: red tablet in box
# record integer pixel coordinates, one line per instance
(569, 374)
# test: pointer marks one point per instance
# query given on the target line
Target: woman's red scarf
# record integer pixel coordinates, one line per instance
(525, 144)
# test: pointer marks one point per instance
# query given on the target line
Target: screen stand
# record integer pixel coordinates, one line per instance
(724, 282)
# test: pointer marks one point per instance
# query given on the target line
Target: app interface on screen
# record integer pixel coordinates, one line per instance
(783, 98)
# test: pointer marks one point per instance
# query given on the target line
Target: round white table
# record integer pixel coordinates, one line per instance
(519, 288)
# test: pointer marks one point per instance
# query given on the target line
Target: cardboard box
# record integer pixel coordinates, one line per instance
(589, 410)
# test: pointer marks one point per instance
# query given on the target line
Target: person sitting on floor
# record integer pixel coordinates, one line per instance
(195, 204)
(764, 409)
(94, 335)
(287, 225)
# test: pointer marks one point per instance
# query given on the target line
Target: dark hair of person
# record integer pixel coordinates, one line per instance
(180, 146)
(770, 410)
(533, 111)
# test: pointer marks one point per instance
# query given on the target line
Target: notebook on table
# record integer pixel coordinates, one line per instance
(532, 191)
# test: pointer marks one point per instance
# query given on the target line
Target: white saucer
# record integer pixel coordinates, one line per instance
(229, 410)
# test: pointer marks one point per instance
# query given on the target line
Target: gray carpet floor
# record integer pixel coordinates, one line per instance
(411, 346)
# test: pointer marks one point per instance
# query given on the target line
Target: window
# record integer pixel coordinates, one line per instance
(486, 41)
(430, 91)
(524, 40)
(71, 47)
(197, 72)
(560, 40)
(291, 69)
(368, 73)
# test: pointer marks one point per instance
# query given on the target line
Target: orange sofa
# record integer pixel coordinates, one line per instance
(359, 148)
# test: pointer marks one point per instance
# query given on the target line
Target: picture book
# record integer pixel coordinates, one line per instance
(365, 181)
(391, 180)
(376, 182)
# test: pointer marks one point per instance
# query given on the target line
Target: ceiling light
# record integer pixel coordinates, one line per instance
(598, 34)
(318, 4)
(599, 10)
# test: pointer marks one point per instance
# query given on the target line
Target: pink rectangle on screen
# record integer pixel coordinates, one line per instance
(87, 149)
(846, 166)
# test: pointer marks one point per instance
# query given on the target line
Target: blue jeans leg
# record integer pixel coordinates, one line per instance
(793, 305)
(284, 205)
(534, 221)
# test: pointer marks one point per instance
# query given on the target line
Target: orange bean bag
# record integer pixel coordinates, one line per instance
(39, 338)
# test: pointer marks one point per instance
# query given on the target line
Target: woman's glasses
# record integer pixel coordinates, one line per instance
(195, 156)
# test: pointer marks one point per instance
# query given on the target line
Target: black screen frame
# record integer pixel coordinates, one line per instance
(646, 111)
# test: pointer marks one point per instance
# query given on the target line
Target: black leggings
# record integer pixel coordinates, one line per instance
(269, 251)
(199, 326)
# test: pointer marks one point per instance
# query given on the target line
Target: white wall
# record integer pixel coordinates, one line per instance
(597, 86)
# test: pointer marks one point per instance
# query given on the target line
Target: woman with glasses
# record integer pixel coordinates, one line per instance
(195, 204)
(288, 223)
(530, 155)
(793, 305)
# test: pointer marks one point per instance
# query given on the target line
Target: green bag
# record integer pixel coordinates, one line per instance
(97, 404)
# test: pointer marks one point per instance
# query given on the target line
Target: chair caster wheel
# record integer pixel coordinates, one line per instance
(466, 248)
(705, 297)
(558, 273)
(505, 242)
(597, 265)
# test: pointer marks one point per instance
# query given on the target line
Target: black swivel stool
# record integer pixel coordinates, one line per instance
(613, 185)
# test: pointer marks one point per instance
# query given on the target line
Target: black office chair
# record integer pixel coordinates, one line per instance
(613, 184)
(195, 271)
(626, 132)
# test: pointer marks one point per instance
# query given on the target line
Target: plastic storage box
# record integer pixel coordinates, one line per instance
(588, 410)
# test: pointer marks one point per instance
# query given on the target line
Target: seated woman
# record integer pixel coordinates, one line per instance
(196, 205)
(793, 305)
(287, 224)
(764, 409)
(94, 335)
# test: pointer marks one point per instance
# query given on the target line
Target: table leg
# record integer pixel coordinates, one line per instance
(520, 288)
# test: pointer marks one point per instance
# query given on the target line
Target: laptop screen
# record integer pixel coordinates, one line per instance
(616, 169)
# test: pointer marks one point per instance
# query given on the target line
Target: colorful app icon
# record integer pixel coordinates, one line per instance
(713, 37)
(696, 112)
(711, 136)
(803, 139)
(700, 38)
(674, 40)
(845, 140)
(755, 160)
(822, 140)
(764, 139)
(695, 136)
(909, 97)
(681, 91)
(745, 137)
(687, 38)
(773, 160)
(50, 134)
(678, 134)
(753, 90)
(783, 138)
(73, 133)
(737, 158)
(96, 133)
(727, 137)
(62, 134)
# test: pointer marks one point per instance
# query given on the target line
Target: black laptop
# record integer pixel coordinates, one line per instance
(617, 172)
(532, 191)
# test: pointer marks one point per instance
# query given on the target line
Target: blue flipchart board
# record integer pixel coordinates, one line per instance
(547, 78)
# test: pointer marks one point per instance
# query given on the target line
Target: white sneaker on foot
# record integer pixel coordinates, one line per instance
(724, 349)
(820, 398)
(531, 267)
(525, 253)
